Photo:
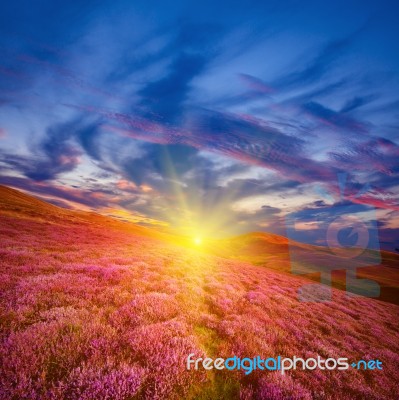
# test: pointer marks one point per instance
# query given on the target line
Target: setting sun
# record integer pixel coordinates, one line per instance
(199, 200)
(197, 241)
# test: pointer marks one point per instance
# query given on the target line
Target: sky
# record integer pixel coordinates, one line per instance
(213, 118)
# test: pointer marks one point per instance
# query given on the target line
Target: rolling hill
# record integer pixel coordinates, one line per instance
(258, 248)
(273, 252)
(93, 308)
(15, 203)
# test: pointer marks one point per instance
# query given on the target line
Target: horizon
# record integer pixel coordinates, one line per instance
(199, 200)
(150, 227)
(175, 236)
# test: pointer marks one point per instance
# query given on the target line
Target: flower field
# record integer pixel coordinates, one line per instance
(89, 311)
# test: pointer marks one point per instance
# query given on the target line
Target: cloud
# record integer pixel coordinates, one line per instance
(190, 52)
(357, 102)
(334, 119)
(166, 96)
(256, 84)
(154, 94)
(244, 139)
(77, 197)
(59, 150)
(125, 185)
(56, 155)
(376, 154)
(88, 137)
(318, 67)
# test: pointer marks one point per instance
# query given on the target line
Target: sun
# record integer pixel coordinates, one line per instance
(197, 241)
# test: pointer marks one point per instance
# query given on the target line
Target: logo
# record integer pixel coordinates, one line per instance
(282, 364)
(341, 236)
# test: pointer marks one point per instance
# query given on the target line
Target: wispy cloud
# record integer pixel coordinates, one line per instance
(131, 98)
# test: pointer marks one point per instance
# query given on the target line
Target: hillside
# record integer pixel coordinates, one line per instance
(87, 311)
(14, 203)
(273, 252)
(258, 248)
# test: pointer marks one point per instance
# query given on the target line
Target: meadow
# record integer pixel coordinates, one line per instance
(91, 311)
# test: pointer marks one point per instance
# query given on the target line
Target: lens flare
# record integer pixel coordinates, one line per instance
(195, 215)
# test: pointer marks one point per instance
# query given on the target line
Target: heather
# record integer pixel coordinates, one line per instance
(92, 312)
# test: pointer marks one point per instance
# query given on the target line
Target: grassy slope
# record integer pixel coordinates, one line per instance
(272, 252)
(90, 310)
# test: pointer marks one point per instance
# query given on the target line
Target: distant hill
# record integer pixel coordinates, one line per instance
(15, 203)
(273, 252)
(91, 307)
(258, 248)
(18, 204)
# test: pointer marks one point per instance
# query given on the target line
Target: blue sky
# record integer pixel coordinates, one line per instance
(227, 114)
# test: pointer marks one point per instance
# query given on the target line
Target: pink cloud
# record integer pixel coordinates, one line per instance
(123, 184)
(256, 84)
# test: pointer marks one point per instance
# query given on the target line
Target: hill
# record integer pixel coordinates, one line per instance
(87, 311)
(15, 203)
(273, 252)
(258, 248)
